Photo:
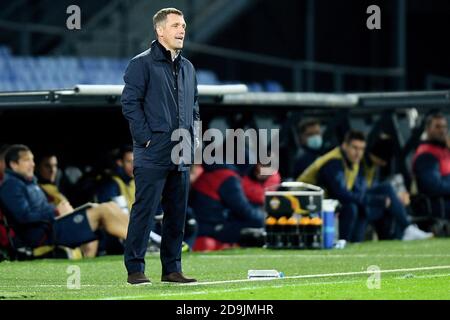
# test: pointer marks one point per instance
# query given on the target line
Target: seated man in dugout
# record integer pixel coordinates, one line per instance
(36, 221)
(222, 210)
(46, 174)
(431, 165)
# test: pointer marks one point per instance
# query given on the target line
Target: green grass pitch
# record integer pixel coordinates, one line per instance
(409, 270)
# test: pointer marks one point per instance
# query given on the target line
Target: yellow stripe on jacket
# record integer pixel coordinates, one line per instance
(311, 173)
(126, 190)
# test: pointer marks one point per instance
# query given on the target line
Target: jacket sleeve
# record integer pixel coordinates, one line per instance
(429, 179)
(332, 175)
(196, 116)
(232, 194)
(108, 191)
(133, 101)
(16, 203)
(196, 112)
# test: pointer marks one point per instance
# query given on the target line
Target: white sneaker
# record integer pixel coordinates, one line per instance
(412, 232)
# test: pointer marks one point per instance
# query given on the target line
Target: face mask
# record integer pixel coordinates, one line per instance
(314, 142)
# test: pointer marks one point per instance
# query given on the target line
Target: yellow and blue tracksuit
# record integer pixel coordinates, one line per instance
(345, 182)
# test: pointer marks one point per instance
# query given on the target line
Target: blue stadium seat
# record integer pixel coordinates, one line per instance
(273, 86)
(255, 87)
(207, 77)
(52, 72)
(5, 52)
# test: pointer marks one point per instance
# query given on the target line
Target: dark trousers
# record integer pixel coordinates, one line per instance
(352, 223)
(151, 184)
(353, 219)
(390, 222)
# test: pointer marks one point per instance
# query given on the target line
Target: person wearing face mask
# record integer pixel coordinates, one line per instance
(311, 145)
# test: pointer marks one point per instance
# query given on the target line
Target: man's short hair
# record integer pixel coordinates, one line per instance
(305, 124)
(383, 147)
(123, 150)
(162, 14)
(354, 135)
(13, 153)
(45, 155)
(433, 116)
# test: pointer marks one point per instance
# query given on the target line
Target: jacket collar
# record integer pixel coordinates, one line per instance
(41, 180)
(122, 175)
(162, 54)
(9, 172)
(344, 156)
(435, 143)
(367, 159)
(311, 150)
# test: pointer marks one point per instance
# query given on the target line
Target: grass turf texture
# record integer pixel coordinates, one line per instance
(104, 278)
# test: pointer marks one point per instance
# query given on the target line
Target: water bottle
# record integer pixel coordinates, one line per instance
(264, 274)
(304, 230)
(316, 232)
(282, 234)
(328, 207)
(271, 232)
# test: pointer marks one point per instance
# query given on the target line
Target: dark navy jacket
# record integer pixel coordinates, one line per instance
(159, 96)
(332, 178)
(110, 189)
(217, 197)
(306, 156)
(27, 208)
(431, 167)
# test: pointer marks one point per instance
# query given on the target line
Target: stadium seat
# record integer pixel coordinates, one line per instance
(60, 72)
(273, 86)
(5, 51)
(207, 77)
(255, 87)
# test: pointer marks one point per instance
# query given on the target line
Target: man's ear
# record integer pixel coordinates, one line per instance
(119, 162)
(159, 31)
(13, 165)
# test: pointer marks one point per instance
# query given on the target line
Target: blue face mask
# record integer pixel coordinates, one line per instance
(314, 142)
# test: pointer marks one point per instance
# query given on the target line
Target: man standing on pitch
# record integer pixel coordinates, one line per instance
(160, 96)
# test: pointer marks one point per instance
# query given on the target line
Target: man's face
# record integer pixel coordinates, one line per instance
(25, 165)
(48, 168)
(171, 32)
(354, 150)
(438, 130)
(309, 132)
(127, 163)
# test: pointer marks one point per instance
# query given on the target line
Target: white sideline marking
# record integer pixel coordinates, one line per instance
(318, 275)
(306, 276)
(326, 256)
(253, 288)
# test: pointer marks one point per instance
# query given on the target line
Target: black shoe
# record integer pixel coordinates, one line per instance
(176, 277)
(138, 279)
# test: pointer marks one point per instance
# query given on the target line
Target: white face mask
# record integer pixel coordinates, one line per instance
(314, 142)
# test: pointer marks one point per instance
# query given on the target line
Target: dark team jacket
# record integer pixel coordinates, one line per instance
(217, 196)
(26, 208)
(431, 168)
(159, 96)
